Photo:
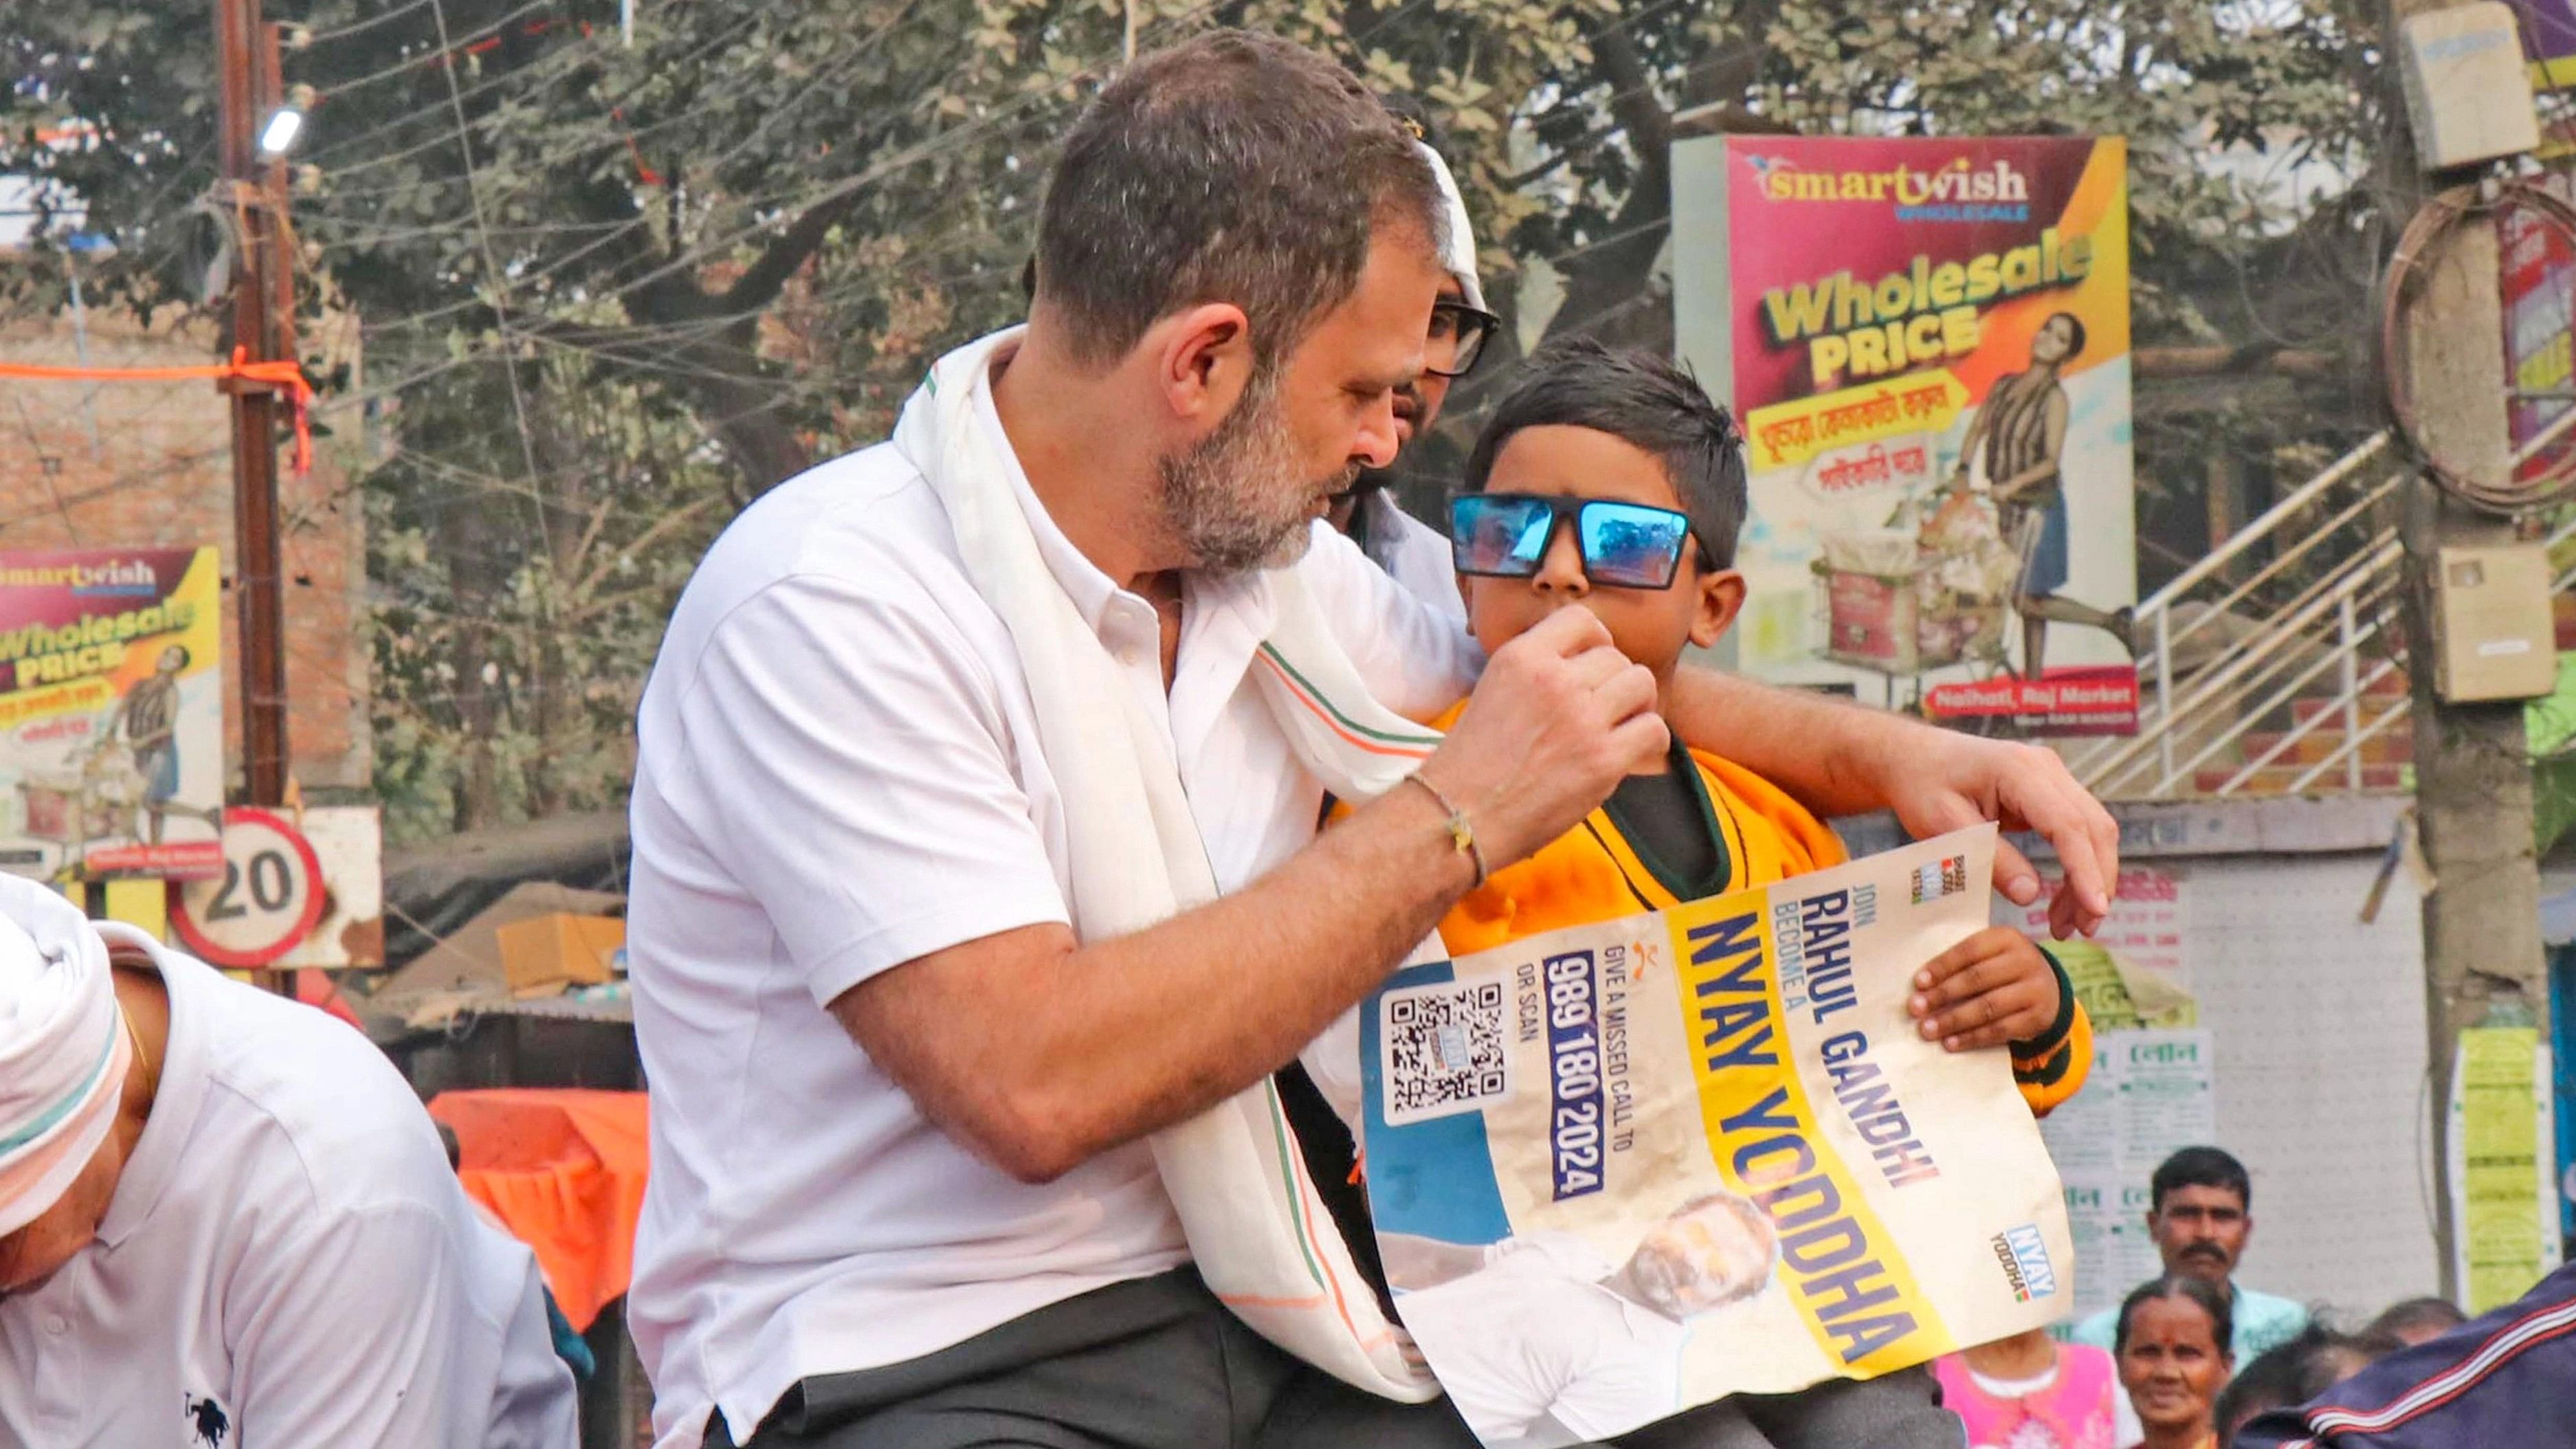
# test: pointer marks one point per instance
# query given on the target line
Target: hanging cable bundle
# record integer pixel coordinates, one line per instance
(2418, 247)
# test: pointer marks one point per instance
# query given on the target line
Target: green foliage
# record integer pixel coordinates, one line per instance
(611, 291)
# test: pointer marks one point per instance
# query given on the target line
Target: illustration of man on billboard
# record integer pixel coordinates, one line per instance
(1557, 1344)
(2022, 427)
(149, 721)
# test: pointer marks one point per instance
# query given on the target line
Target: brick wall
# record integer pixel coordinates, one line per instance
(132, 464)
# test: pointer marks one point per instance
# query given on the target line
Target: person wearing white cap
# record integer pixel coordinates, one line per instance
(1412, 552)
(225, 1221)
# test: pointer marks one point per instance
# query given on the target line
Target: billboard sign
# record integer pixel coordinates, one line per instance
(111, 713)
(1927, 343)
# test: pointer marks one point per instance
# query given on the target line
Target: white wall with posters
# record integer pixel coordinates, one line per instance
(2316, 1029)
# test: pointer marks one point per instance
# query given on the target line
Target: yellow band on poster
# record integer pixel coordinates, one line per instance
(1784, 435)
(86, 696)
(1839, 1263)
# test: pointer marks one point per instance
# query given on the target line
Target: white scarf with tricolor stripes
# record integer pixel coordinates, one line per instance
(1260, 1234)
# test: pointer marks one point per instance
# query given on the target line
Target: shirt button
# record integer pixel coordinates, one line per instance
(57, 1325)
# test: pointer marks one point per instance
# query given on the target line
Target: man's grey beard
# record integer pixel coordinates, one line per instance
(1229, 501)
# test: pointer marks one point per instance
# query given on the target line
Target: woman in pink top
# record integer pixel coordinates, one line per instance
(2031, 1392)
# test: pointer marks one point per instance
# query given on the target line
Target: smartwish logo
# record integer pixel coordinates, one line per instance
(1955, 191)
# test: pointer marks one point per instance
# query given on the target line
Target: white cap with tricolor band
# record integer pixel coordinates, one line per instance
(1458, 248)
(63, 1049)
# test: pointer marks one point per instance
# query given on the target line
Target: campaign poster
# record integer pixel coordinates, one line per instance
(1621, 1170)
(111, 713)
(1926, 341)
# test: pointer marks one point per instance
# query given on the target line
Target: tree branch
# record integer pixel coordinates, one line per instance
(2254, 358)
(761, 282)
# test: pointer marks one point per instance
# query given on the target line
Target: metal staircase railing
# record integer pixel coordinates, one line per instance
(2322, 607)
(2265, 634)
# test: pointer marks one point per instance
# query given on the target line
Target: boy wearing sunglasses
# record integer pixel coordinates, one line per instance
(1610, 481)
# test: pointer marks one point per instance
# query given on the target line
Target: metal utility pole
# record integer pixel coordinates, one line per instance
(2483, 957)
(263, 312)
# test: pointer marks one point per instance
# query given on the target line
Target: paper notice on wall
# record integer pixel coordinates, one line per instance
(2134, 1255)
(2165, 1098)
(2132, 972)
(2501, 1185)
(2149, 1095)
(2083, 1134)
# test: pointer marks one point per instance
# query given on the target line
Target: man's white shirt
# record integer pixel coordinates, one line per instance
(1534, 1337)
(840, 772)
(1413, 553)
(288, 1263)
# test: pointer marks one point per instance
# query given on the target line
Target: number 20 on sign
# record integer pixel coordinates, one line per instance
(266, 902)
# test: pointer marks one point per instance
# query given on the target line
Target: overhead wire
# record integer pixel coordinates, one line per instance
(491, 259)
(617, 346)
(355, 27)
(701, 254)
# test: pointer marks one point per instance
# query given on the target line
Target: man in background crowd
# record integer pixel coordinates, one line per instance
(2201, 1218)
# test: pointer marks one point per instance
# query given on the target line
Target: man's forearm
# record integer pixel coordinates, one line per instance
(1841, 759)
(1125, 1036)
(1822, 751)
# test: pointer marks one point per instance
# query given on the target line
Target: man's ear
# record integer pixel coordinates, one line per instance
(1202, 362)
(1721, 598)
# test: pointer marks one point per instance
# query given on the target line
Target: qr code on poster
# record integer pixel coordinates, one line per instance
(1443, 1049)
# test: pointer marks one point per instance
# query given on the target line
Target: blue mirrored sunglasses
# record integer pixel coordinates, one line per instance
(1624, 545)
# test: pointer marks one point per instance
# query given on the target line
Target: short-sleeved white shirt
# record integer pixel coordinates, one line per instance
(840, 772)
(288, 1263)
(1533, 1336)
(1414, 554)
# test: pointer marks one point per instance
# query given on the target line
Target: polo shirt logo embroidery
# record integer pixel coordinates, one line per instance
(207, 1420)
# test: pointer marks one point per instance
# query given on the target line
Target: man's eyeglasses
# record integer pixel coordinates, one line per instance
(1624, 545)
(1459, 333)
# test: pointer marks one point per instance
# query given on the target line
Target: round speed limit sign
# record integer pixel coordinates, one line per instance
(266, 902)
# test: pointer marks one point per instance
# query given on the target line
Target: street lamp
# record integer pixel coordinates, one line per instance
(280, 132)
(284, 124)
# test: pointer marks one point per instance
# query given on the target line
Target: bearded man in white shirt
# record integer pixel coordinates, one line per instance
(939, 1096)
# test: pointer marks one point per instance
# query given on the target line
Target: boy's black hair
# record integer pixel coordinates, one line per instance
(2202, 1167)
(2439, 1314)
(1640, 399)
(2290, 1374)
(2222, 1316)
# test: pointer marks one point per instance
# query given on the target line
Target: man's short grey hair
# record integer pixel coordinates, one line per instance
(1234, 167)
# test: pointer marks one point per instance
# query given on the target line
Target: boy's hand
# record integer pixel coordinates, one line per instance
(1992, 988)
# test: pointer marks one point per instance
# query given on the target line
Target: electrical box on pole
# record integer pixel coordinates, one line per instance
(2493, 637)
(2467, 98)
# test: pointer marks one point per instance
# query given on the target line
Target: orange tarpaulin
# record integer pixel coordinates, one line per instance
(285, 374)
(564, 1169)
